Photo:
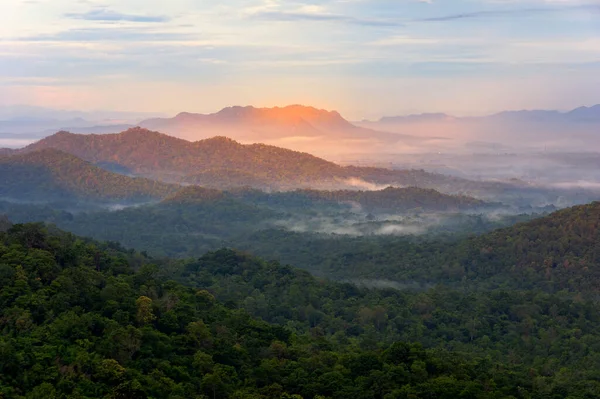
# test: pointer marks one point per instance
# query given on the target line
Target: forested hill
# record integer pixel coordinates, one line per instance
(55, 175)
(152, 153)
(557, 252)
(90, 320)
(219, 162)
(561, 250)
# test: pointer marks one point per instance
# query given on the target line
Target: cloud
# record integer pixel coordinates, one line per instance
(106, 15)
(406, 41)
(479, 14)
(510, 12)
(291, 16)
(108, 34)
(319, 14)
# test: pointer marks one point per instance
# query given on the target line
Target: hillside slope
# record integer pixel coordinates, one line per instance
(50, 174)
(561, 250)
(154, 154)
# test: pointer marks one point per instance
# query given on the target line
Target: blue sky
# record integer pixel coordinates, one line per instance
(365, 58)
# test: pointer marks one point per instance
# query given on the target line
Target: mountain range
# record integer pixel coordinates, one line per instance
(33, 120)
(327, 133)
(218, 162)
(223, 163)
(581, 114)
(296, 127)
(73, 167)
(509, 131)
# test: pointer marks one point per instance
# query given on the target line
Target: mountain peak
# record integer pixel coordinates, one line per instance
(585, 113)
(236, 111)
(63, 133)
(137, 130)
(294, 112)
(187, 116)
(293, 126)
(584, 108)
(143, 135)
(219, 140)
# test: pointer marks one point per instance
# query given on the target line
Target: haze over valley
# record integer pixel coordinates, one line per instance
(546, 148)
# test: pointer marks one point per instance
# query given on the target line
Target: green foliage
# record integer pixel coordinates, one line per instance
(78, 320)
(511, 326)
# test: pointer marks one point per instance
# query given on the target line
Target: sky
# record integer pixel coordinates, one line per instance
(364, 58)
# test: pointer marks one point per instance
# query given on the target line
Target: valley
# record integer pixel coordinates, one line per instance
(235, 269)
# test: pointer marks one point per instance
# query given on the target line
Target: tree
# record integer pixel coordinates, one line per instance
(144, 314)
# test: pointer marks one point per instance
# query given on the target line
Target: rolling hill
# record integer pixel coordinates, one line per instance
(51, 174)
(561, 250)
(218, 162)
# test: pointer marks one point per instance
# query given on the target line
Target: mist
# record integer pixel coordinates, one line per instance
(389, 284)
(360, 184)
(15, 142)
(355, 222)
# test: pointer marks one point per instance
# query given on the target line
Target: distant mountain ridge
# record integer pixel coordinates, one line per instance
(295, 126)
(31, 113)
(327, 133)
(509, 131)
(416, 118)
(304, 119)
(581, 114)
